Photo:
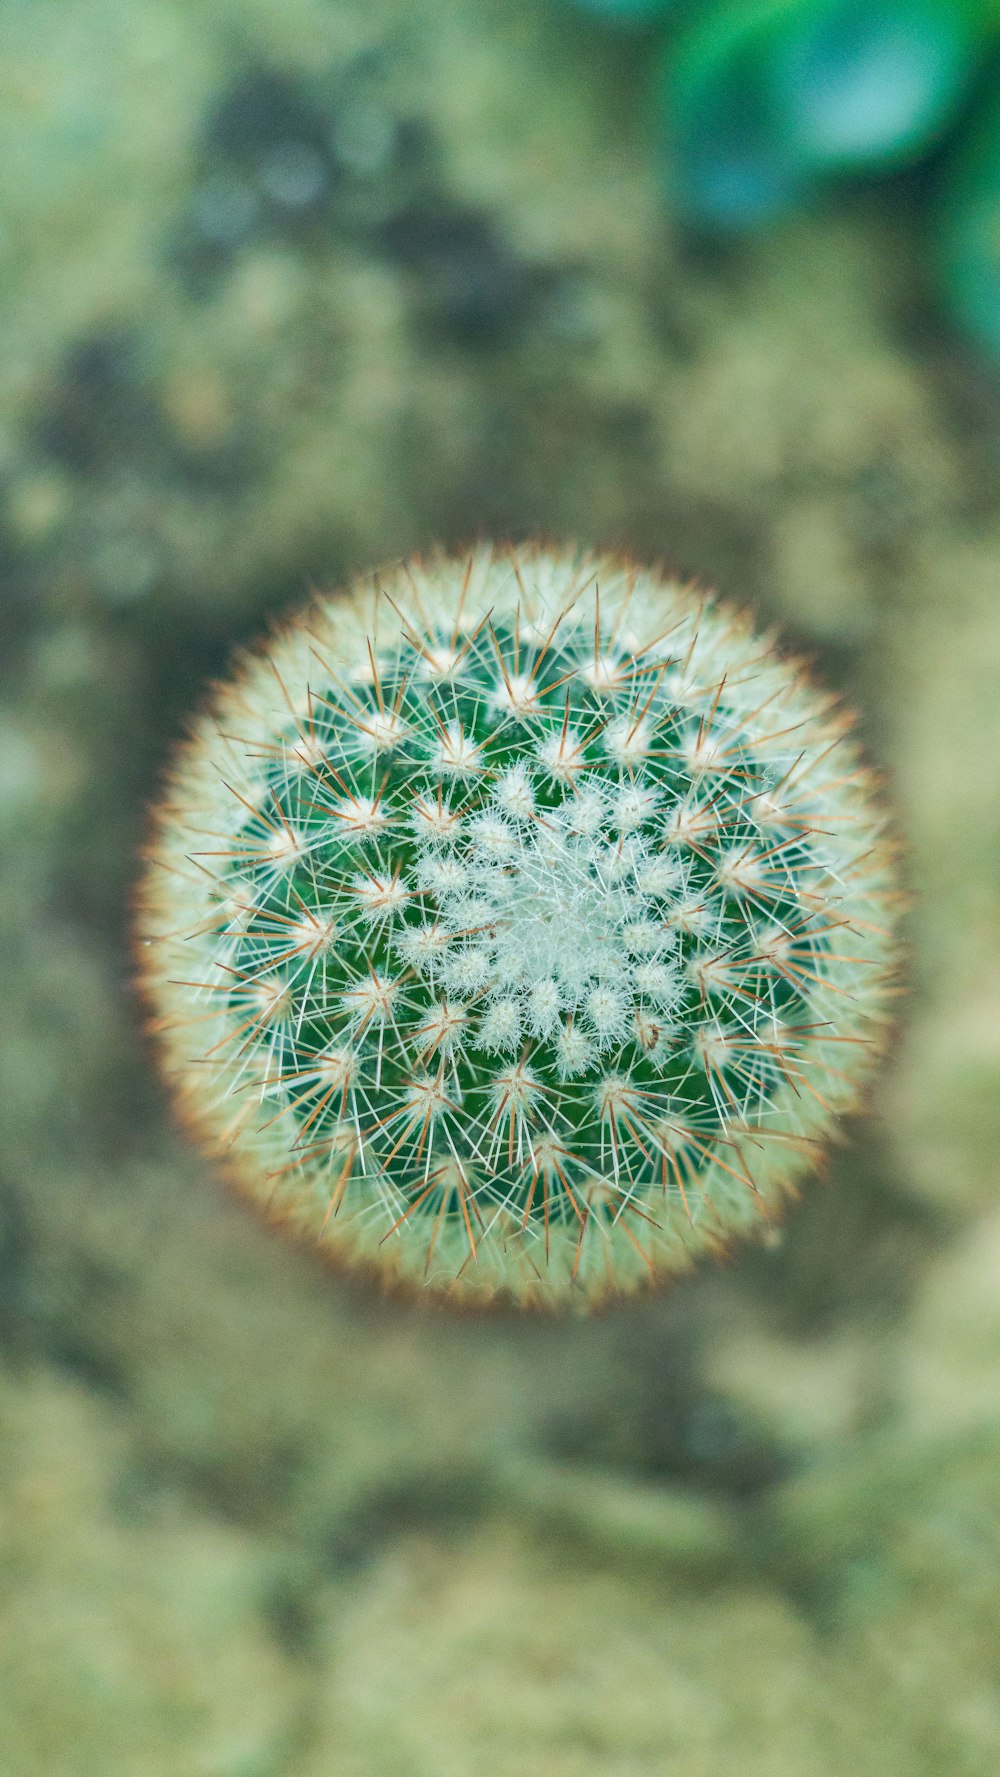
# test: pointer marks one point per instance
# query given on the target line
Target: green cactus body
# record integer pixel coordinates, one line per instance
(516, 925)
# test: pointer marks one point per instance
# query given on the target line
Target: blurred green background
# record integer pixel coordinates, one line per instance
(286, 292)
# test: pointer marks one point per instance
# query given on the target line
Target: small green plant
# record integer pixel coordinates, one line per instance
(758, 105)
(516, 925)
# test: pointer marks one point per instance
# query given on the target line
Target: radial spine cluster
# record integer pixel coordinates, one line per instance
(516, 925)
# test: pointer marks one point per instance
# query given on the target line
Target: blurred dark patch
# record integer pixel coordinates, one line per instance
(963, 379)
(165, 663)
(264, 115)
(885, 507)
(441, 1501)
(17, 1245)
(724, 1450)
(704, 541)
(725, 259)
(140, 1491)
(471, 288)
(852, 1249)
(183, 653)
(104, 416)
(102, 410)
(967, 387)
(312, 160)
(72, 1337)
(645, 1410)
(266, 167)
(230, 1488)
(290, 1617)
(20, 579)
(703, 1441)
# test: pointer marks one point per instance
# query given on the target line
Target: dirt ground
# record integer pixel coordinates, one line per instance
(287, 293)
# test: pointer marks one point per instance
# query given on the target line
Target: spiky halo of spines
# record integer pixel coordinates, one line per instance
(420, 782)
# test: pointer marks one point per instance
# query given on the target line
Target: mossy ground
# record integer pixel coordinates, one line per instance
(255, 1522)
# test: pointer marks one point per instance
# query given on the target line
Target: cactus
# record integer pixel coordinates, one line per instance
(517, 925)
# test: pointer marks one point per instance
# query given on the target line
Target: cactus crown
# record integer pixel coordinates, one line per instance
(518, 925)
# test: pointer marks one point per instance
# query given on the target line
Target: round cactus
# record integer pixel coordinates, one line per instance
(516, 925)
